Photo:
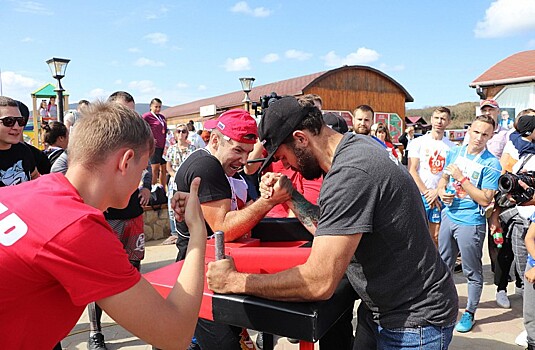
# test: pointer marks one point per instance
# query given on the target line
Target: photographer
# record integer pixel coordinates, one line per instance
(513, 211)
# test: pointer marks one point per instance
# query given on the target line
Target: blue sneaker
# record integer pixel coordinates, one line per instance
(466, 323)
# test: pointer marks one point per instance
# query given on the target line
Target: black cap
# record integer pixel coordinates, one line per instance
(278, 122)
(335, 122)
(526, 124)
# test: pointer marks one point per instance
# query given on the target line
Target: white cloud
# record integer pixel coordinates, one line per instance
(270, 58)
(202, 87)
(27, 40)
(143, 61)
(237, 64)
(118, 82)
(33, 7)
(182, 85)
(143, 86)
(507, 18)
(98, 94)
(18, 86)
(134, 50)
(243, 7)
(297, 55)
(156, 38)
(161, 12)
(361, 56)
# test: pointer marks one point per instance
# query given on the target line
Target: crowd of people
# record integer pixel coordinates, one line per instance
(394, 222)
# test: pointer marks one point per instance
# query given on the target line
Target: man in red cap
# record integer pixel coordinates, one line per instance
(223, 197)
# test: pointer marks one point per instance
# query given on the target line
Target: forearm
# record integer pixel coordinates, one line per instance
(295, 284)
(170, 169)
(413, 170)
(307, 213)
(147, 177)
(239, 222)
(481, 197)
(530, 240)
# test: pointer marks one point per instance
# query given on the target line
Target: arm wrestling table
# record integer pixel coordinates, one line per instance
(307, 321)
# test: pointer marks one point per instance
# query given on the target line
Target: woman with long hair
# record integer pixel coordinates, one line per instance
(383, 134)
(175, 155)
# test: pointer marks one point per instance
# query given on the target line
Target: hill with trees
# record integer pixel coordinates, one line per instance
(462, 113)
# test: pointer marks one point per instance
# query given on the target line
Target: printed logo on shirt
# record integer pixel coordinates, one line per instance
(14, 175)
(436, 163)
(12, 228)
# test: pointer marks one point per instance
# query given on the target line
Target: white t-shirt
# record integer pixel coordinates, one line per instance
(432, 155)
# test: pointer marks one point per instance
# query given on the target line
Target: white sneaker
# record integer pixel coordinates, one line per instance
(522, 339)
(502, 300)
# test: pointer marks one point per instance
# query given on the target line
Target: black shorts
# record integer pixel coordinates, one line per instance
(157, 157)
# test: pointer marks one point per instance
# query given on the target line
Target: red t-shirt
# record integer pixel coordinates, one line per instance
(57, 254)
(310, 189)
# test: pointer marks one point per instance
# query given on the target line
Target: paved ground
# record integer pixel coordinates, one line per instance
(495, 328)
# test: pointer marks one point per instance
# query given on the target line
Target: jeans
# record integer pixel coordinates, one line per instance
(372, 336)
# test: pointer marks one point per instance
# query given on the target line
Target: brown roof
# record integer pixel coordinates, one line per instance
(515, 69)
(292, 87)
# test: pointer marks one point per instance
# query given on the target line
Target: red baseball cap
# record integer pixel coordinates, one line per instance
(238, 125)
(210, 124)
(488, 102)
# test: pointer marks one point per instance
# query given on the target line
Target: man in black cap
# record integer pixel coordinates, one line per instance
(335, 122)
(370, 225)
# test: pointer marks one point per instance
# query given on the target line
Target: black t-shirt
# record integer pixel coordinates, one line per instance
(396, 269)
(214, 182)
(132, 210)
(16, 165)
(41, 160)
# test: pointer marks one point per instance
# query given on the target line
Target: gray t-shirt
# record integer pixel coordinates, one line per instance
(396, 269)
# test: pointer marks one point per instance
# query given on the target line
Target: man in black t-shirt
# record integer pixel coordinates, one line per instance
(16, 160)
(223, 198)
(370, 226)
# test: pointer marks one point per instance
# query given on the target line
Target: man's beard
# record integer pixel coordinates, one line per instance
(307, 164)
(363, 130)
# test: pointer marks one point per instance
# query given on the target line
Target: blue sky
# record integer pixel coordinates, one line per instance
(182, 51)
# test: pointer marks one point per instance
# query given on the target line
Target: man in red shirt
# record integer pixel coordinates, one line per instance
(54, 265)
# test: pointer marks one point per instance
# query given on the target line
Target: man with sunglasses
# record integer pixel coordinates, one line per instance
(17, 163)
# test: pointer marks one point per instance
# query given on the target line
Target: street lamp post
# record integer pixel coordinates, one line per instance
(58, 66)
(247, 86)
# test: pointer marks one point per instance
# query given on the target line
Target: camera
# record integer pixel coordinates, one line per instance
(264, 102)
(508, 184)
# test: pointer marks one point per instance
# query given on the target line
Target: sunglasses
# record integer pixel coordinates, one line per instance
(182, 131)
(10, 121)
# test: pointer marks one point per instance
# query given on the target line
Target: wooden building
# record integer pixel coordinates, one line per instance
(341, 90)
(511, 82)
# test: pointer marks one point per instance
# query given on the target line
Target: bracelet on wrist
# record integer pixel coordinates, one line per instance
(466, 178)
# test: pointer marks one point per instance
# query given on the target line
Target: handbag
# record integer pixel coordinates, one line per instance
(157, 196)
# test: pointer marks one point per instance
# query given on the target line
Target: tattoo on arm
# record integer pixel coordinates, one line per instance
(305, 211)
